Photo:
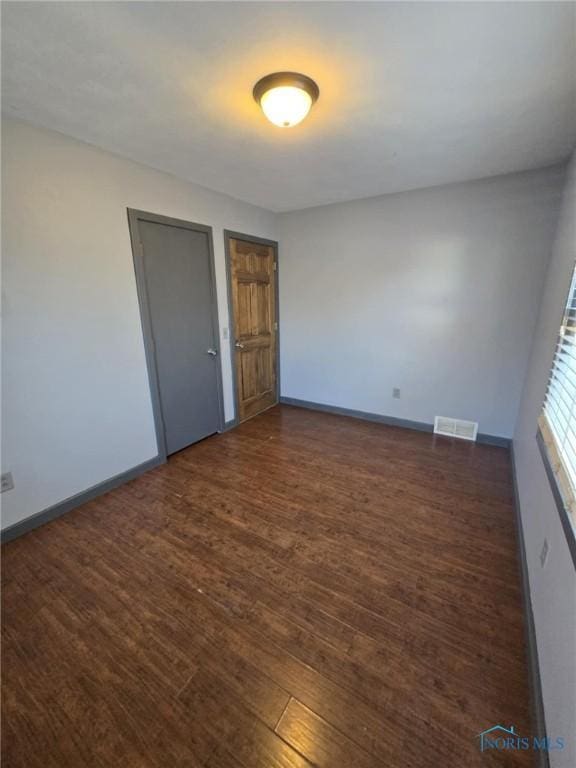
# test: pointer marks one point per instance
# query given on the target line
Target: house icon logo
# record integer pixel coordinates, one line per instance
(498, 736)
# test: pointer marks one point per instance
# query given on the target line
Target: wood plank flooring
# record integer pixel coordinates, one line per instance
(307, 589)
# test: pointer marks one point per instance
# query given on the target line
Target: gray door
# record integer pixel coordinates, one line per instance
(180, 295)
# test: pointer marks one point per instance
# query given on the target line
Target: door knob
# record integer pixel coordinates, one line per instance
(238, 345)
(212, 352)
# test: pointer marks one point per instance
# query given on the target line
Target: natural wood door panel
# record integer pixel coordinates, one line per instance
(254, 334)
(257, 374)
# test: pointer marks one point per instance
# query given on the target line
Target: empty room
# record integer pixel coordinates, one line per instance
(288, 467)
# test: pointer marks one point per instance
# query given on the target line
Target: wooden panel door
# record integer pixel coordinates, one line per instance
(253, 282)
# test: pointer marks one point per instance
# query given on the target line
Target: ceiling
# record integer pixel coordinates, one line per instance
(411, 94)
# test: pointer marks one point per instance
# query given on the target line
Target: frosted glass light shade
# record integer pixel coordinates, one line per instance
(286, 106)
(286, 97)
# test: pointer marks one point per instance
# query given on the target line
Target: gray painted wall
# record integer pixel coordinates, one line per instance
(553, 588)
(434, 291)
(76, 401)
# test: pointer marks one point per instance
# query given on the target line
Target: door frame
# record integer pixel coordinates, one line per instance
(231, 235)
(134, 218)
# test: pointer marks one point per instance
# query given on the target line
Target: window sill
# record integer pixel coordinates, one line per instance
(558, 498)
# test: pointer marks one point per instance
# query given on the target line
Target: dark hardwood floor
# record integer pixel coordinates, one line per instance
(306, 589)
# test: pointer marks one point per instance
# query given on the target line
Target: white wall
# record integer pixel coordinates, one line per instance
(432, 291)
(553, 588)
(76, 402)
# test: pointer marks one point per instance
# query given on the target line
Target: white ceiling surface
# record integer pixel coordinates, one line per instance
(411, 94)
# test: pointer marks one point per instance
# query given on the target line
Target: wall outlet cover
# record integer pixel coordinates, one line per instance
(544, 553)
(7, 482)
(396, 392)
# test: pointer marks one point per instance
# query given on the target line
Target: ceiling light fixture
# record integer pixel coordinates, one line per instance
(286, 97)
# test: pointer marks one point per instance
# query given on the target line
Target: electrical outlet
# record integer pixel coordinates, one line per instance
(396, 393)
(544, 553)
(225, 334)
(7, 483)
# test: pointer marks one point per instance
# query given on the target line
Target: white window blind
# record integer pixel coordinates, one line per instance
(558, 421)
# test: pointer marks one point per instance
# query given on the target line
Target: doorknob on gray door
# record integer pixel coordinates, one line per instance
(238, 345)
(212, 352)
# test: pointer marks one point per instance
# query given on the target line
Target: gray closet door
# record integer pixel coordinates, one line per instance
(180, 293)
